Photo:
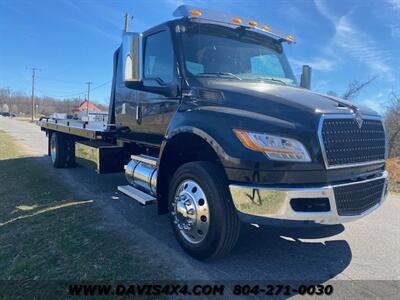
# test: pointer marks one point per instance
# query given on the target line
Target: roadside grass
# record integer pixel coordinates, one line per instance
(50, 232)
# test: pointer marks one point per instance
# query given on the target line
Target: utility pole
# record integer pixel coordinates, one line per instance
(9, 99)
(88, 96)
(33, 92)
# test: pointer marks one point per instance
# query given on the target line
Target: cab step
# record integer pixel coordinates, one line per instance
(138, 195)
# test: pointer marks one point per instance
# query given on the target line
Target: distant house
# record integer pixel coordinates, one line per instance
(93, 114)
(83, 107)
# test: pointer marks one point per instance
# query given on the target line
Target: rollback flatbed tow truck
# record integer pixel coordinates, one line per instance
(207, 121)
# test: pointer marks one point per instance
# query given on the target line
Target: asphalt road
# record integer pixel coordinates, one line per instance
(368, 249)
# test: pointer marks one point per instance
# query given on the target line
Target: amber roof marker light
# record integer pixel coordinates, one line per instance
(265, 28)
(253, 23)
(195, 13)
(237, 20)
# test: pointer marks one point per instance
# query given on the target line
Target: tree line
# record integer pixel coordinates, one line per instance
(20, 104)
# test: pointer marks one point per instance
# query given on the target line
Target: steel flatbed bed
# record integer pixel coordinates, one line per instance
(90, 130)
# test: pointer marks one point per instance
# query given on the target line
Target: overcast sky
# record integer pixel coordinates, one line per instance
(72, 41)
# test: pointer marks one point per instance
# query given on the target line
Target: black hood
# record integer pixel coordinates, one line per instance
(284, 102)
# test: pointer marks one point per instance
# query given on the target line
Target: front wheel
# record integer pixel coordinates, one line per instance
(201, 210)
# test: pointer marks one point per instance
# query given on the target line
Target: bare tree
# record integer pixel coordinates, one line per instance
(355, 87)
(392, 124)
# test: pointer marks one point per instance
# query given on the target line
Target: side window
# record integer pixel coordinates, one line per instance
(159, 57)
(267, 65)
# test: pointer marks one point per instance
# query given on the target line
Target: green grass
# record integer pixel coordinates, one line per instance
(49, 232)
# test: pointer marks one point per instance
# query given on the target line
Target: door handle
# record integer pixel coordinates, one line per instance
(138, 114)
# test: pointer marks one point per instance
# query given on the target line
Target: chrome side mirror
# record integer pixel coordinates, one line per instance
(132, 57)
(305, 81)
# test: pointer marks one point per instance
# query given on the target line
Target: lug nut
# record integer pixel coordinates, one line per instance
(191, 211)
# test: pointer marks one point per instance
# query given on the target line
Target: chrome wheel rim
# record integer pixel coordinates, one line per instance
(53, 150)
(191, 212)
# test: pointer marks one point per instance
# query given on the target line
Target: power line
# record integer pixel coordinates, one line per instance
(59, 80)
(60, 97)
(101, 85)
(77, 93)
(55, 96)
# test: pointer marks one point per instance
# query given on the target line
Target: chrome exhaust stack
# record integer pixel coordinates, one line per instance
(141, 172)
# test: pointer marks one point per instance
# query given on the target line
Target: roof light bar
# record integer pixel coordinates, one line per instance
(189, 11)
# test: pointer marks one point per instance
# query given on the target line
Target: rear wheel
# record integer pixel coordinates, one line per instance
(62, 150)
(201, 210)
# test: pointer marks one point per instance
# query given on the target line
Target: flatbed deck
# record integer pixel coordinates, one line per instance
(90, 130)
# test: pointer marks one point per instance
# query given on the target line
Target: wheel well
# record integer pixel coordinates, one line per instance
(181, 149)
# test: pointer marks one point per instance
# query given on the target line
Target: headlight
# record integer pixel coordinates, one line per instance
(275, 147)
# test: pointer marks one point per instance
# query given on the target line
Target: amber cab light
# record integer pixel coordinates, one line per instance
(196, 13)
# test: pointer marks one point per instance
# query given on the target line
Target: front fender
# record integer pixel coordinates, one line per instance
(215, 125)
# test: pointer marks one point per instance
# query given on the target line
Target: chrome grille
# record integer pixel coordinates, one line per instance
(344, 143)
(354, 199)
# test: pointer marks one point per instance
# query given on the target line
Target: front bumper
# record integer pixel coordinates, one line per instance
(272, 205)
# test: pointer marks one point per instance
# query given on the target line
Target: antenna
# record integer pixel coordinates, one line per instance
(126, 22)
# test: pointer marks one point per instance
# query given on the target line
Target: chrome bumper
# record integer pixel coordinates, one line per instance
(274, 203)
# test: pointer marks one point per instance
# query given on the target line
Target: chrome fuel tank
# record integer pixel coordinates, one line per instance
(141, 172)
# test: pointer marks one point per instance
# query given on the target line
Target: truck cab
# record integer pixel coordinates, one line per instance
(215, 129)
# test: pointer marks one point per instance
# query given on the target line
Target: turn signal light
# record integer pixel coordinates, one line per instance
(237, 20)
(196, 13)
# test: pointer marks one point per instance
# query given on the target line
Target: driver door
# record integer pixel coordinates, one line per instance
(155, 111)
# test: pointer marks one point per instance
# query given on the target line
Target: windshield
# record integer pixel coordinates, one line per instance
(234, 53)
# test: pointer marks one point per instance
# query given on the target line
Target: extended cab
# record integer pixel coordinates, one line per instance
(209, 122)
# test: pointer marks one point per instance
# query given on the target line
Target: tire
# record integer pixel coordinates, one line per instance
(199, 239)
(61, 150)
(70, 159)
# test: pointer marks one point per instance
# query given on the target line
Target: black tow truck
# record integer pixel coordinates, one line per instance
(207, 121)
